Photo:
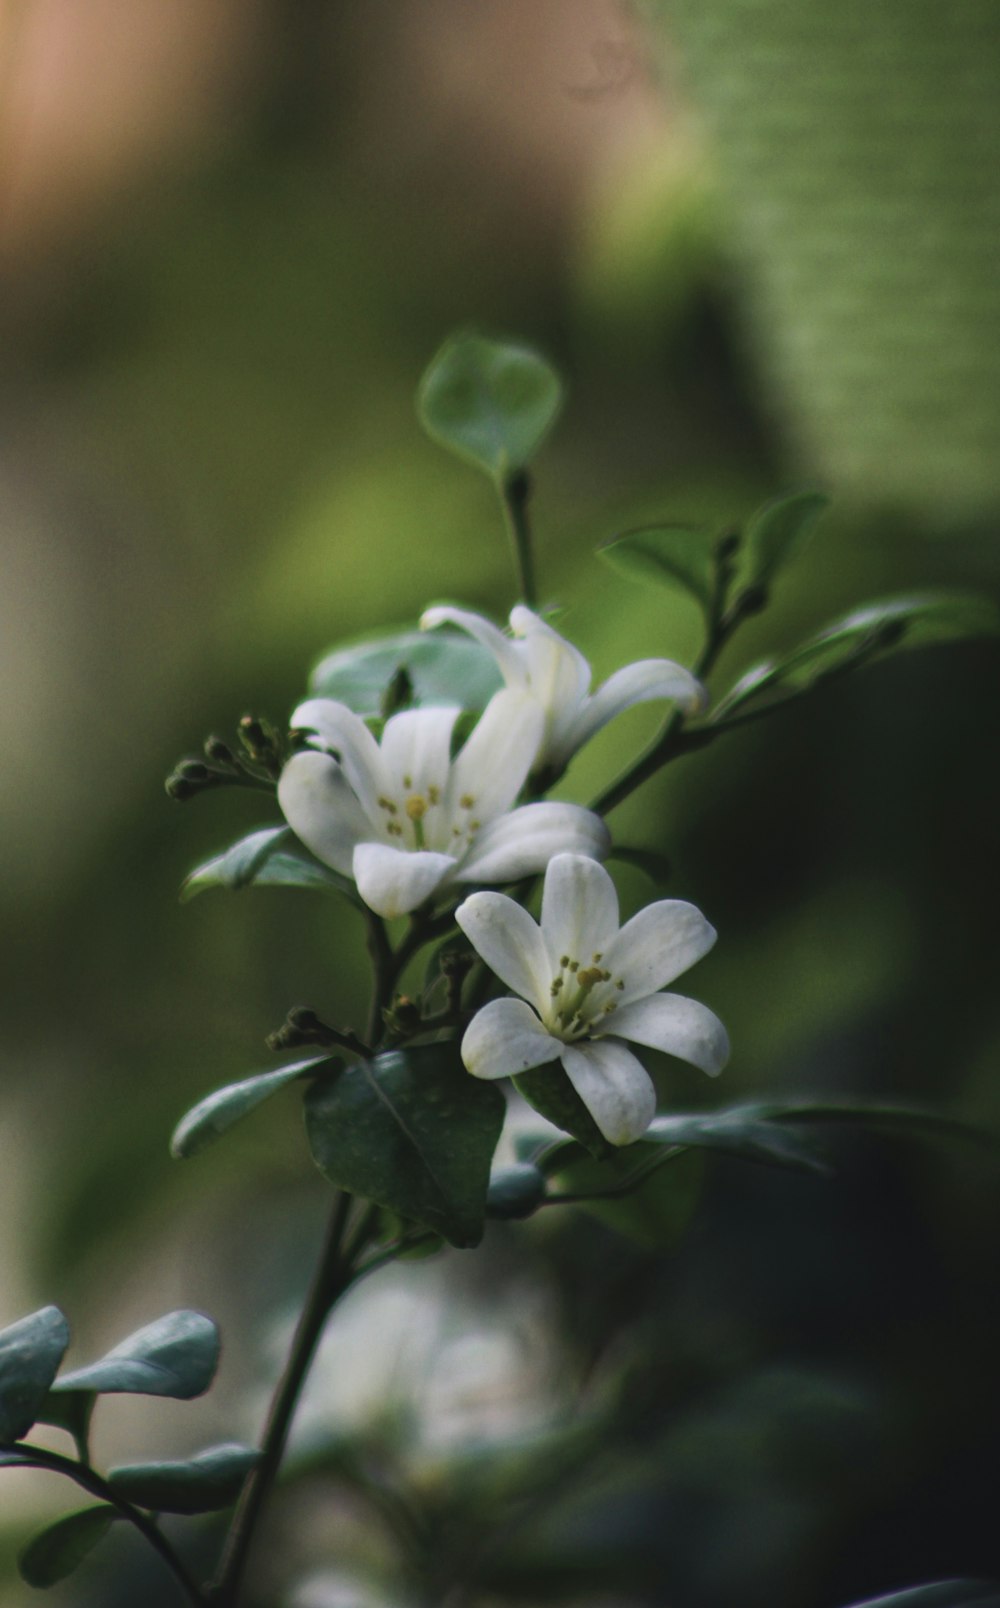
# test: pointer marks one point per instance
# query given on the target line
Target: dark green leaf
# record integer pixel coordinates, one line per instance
(70, 1410)
(678, 556)
(648, 1202)
(777, 532)
(271, 858)
(859, 638)
(903, 1121)
(516, 1191)
(56, 1552)
(410, 1130)
(443, 667)
(744, 1131)
(211, 1117)
(491, 402)
(549, 1090)
(30, 1353)
(176, 1356)
(945, 1594)
(210, 1480)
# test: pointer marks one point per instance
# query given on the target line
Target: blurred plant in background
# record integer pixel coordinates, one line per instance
(210, 474)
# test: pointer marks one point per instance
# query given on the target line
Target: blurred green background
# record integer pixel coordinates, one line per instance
(759, 240)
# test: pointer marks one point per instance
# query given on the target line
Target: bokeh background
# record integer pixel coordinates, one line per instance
(760, 241)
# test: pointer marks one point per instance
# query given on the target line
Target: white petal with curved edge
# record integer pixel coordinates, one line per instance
(658, 944)
(505, 1038)
(339, 728)
(492, 766)
(416, 749)
(504, 935)
(633, 684)
(676, 1025)
(523, 842)
(506, 653)
(392, 882)
(614, 1086)
(322, 809)
(579, 909)
(558, 673)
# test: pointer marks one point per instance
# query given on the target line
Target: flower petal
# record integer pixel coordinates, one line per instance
(658, 944)
(504, 935)
(341, 730)
(320, 806)
(614, 1086)
(676, 1025)
(558, 674)
(524, 841)
(392, 882)
(492, 766)
(632, 684)
(505, 1038)
(416, 753)
(508, 655)
(579, 909)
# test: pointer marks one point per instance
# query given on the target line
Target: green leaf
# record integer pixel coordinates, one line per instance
(410, 1130)
(271, 858)
(745, 1131)
(898, 1121)
(210, 1480)
(70, 1410)
(777, 532)
(491, 402)
(858, 638)
(219, 1111)
(176, 1356)
(655, 1212)
(943, 1594)
(56, 1552)
(30, 1353)
(549, 1090)
(678, 556)
(443, 667)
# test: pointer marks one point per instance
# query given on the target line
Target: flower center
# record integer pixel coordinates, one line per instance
(583, 997)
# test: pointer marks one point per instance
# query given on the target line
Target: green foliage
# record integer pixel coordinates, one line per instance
(441, 667)
(777, 532)
(858, 638)
(30, 1353)
(412, 1131)
(551, 1093)
(175, 1356)
(739, 1131)
(57, 1551)
(272, 857)
(209, 1480)
(634, 1193)
(70, 1410)
(219, 1111)
(677, 556)
(491, 402)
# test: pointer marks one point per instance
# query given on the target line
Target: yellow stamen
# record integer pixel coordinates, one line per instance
(416, 807)
(466, 801)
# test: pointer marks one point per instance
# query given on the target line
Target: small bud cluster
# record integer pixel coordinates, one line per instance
(258, 765)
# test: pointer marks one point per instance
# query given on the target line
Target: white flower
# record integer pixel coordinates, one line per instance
(536, 660)
(404, 819)
(588, 985)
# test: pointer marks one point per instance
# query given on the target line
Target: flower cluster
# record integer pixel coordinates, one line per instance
(407, 820)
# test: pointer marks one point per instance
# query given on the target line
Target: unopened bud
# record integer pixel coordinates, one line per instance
(261, 742)
(301, 1026)
(179, 789)
(219, 752)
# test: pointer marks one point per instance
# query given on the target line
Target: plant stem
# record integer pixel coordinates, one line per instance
(95, 1485)
(334, 1275)
(515, 490)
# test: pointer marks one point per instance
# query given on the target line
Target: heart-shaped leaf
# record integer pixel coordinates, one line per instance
(30, 1353)
(678, 556)
(211, 1117)
(777, 532)
(491, 402)
(57, 1551)
(210, 1480)
(858, 638)
(176, 1356)
(270, 858)
(441, 667)
(410, 1130)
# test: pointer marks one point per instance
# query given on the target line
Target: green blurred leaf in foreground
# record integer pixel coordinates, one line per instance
(412, 1131)
(175, 1356)
(440, 668)
(30, 1353)
(491, 402)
